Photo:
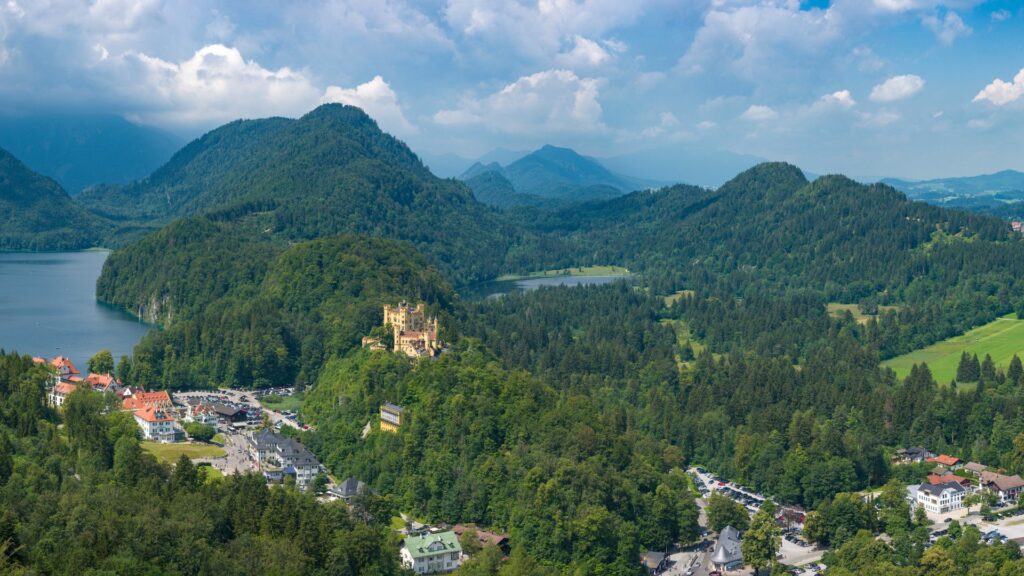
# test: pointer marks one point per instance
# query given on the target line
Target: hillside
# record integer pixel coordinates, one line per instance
(252, 312)
(553, 174)
(79, 151)
(36, 213)
(331, 171)
(986, 192)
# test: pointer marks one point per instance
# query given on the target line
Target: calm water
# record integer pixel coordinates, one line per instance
(48, 308)
(502, 287)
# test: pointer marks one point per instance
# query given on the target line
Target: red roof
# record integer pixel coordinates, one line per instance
(103, 381)
(64, 388)
(63, 362)
(945, 460)
(144, 399)
(39, 360)
(153, 414)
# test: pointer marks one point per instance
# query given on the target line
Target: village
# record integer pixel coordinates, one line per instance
(251, 440)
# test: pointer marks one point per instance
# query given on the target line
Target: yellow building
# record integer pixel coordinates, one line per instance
(415, 334)
(391, 417)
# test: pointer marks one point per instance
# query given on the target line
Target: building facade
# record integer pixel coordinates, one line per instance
(414, 333)
(432, 553)
(941, 498)
(156, 424)
(391, 417)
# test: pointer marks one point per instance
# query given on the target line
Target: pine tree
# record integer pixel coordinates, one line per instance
(963, 370)
(1015, 372)
(988, 369)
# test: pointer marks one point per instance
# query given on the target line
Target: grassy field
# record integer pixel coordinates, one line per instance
(835, 309)
(580, 271)
(279, 403)
(218, 438)
(1001, 338)
(171, 452)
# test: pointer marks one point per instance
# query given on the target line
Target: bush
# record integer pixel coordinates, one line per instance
(200, 432)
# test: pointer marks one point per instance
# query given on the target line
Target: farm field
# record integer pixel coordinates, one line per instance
(1001, 338)
(171, 452)
(293, 403)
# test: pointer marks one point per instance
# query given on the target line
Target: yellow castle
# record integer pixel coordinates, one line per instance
(414, 333)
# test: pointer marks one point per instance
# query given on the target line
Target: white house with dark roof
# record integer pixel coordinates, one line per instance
(277, 456)
(1007, 488)
(941, 498)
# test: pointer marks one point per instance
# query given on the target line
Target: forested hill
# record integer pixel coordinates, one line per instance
(36, 213)
(331, 171)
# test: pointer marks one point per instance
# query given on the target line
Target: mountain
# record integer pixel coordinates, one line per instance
(555, 174)
(331, 171)
(981, 193)
(85, 150)
(36, 213)
(683, 162)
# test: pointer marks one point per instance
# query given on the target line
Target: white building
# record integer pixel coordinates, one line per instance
(432, 553)
(277, 456)
(156, 424)
(941, 498)
(59, 393)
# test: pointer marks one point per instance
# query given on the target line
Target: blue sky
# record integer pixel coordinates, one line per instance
(871, 88)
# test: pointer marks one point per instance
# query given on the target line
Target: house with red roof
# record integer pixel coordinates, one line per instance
(156, 424)
(59, 394)
(139, 400)
(951, 462)
(65, 368)
(102, 382)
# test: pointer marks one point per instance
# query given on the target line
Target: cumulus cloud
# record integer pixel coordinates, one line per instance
(1000, 92)
(840, 98)
(378, 100)
(879, 118)
(758, 113)
(947, 29)
(897, 88)
(585, 54)
(548, 101)
(538, 30)
(217, 84)
(1001, 15)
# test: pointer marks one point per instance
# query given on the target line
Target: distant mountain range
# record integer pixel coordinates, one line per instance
(984, 193)
(671, 163)
(549, 175)
(85, 150)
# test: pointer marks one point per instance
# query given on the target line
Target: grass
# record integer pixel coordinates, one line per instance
(577, 271)
(218, 438)
(836, 309)
(212, 474)
(171, 452)
(279, 403)
(1001, 338)
(672, 298)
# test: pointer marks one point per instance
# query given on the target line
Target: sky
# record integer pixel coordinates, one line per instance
(869, 88)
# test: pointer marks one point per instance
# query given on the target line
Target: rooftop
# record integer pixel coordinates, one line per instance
(431, 544)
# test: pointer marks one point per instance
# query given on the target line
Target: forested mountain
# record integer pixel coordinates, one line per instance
(986, 192)
(251, 312)
(552, 174)
(36, 214)
(329, 172)
(84, 150)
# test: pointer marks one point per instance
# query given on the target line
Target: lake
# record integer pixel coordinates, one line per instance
(498, 288)
(48, 308)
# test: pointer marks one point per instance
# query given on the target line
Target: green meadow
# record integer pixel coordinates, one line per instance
(1001, 338)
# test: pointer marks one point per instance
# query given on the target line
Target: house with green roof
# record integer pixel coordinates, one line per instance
(432, 553)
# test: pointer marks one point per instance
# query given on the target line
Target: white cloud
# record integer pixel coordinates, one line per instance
(1001, 93)
(879, 119)
(753, 40)
(980, 123)
(548, 101)
(840, 98)
(758, 113)
(1001, 15)
(377, 99)
(216, 84)
(947, 29)
(897, 88)
(538, 30)
(585, 54)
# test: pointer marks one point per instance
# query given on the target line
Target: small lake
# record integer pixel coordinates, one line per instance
(48, 308)
(498, 288)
